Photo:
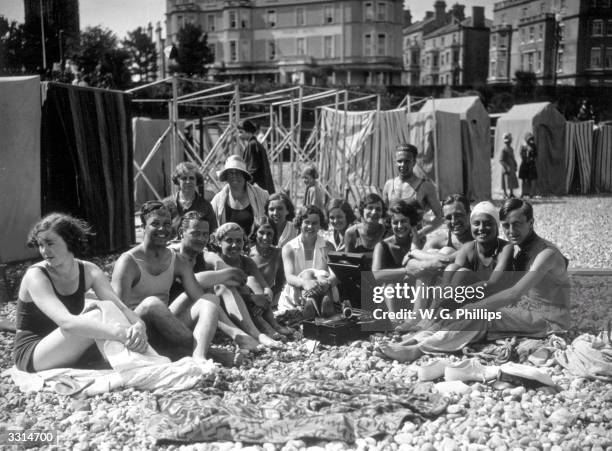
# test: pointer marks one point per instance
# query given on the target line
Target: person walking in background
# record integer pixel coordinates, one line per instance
(314, 194)
(528, 172)
(255, 157)
(509, 166)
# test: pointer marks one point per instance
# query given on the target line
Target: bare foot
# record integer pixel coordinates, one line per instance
(246, 342)
(269, 342)
(226, 358)
(400, 353)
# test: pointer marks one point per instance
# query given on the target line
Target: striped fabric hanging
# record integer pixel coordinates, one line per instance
(602, 159)
(579, 154)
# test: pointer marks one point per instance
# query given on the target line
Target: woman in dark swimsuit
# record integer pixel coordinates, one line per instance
(388, 255)
(362, 237)
(52, 330)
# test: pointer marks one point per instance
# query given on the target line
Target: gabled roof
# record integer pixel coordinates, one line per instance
(451, 105)
(525, 110)
(466, 23)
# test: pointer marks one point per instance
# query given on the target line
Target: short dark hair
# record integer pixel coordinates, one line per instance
(149, 207)
(515, 204)
(457, 198)
(260, 222)
(344, 206)
(310, 210)
(191, 216)
(372, 198)
(311, 171)
(288, 204)
(410, 148)
(75, 232)
(402, 207)
(248, 126)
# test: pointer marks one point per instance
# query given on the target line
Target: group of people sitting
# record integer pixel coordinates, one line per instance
(228, 264)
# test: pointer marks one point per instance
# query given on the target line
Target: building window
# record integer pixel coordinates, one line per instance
(595, 62)
(530, 66)
(456, 56)
(442, 41)
(454, 38)
(531, 34)
(328, 13)
(233, 51)
(560, 61)
(300, 18)
(609, 28)
(367, 45)
(608, 58)
(328, 46)
(244, 23)
(271, 18)
(300, 46)
(597, 29)
(381, 11)
(539, 62)
(271, 50)
(522, 35)
(541, 32)
(213, 51)
(492, 69)
(211, 22)
(368, 14)
(493, 40)
(435, 60)
(232, 19)
(381, 45)
(414, 57)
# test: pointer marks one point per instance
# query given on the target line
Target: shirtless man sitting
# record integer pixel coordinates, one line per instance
(142, 277)
(535, 304)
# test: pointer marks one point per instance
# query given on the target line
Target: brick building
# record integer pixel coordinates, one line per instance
(561, 41)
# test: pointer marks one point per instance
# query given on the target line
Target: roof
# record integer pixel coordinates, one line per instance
(451, 105)
(417, 26)
(525, 110)
(466, 23)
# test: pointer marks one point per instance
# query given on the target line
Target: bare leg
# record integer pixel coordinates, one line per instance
(243, 340)
(270, 319)
(401, 353)
(154, 311)
(60, 348)
(203, 316)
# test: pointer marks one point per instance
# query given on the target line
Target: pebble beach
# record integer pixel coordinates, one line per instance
(485, 416)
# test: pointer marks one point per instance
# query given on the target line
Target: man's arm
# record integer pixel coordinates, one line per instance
(545, 261)
(191, 286)
(124, 277)
(432, 201)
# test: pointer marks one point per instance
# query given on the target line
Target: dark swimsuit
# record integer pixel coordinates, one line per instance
(33, 325)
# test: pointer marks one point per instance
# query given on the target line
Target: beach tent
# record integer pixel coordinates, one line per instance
(472, 170)
(602, 174)
(19, 164)
(548, 126)
(68, 149)
(579, 156)
(152, 155)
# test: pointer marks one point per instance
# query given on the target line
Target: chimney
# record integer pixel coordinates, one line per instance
(440, 8)
(429, 15)
(478, 19)
(458, 12)
(407, 17)
(150, 31)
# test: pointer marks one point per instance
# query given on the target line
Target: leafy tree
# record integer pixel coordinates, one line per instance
(525, 85)
(142, 55)
(193, 51)
(20, 48)
(101, 60)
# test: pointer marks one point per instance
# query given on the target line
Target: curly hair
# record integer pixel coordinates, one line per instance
(191, 216)
(401, 207)
(288, 204)
(151, 206)
(75, 232)
(344, 206)
(185, 167)
(310, 210)
(371, 198)
(260, 222)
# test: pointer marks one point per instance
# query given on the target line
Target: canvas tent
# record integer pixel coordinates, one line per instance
(64, 148)
(473, 169)
(19, 164)
(548, 126)
(579, 156)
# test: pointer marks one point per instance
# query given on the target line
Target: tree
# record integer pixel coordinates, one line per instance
(20, 48)
(101, 60)
(525, 85)
(142, 55)
(193, 51)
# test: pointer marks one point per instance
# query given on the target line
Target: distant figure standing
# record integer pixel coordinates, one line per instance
(315, 194)
(506, 159)
(528, 172)
(255, 157)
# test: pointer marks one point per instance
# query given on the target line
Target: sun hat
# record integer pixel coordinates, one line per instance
(234, 162)
(487, 208)
(507, 137)
(248, 126)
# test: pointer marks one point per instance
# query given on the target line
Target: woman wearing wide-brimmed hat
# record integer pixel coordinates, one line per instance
(508, 163)
(238, 201)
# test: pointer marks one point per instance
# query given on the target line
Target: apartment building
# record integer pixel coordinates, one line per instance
(561, 41)
(289, 41)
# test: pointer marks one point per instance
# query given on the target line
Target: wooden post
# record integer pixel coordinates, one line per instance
(292, 147)
(173, 106)
(344, 174)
